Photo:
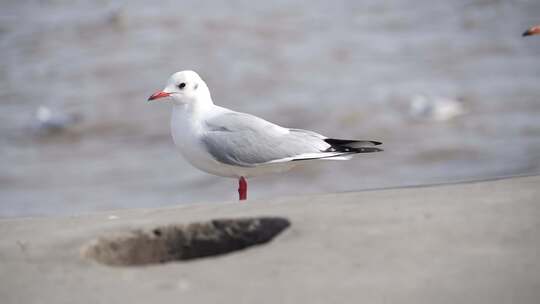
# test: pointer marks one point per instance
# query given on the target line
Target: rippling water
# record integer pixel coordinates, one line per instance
(344, 69)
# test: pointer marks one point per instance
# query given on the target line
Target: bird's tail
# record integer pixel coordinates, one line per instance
(340, 149)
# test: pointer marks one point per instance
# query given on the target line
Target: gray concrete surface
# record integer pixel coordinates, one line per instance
(464, 243)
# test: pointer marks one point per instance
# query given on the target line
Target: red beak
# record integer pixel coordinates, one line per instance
(158, 95)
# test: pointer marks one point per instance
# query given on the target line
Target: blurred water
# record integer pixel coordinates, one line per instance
(345, 69)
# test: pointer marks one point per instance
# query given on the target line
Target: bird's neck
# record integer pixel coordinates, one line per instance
(197, 109)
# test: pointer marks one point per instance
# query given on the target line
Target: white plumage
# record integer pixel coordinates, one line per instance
(233, 144)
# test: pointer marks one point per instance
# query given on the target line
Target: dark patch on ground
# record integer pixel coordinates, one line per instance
(184, 242)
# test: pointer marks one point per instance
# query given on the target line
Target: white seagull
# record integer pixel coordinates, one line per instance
(233, 144)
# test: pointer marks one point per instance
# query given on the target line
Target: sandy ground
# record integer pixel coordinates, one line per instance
(463, 243)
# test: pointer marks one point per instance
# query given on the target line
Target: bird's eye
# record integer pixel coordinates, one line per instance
(182, 85)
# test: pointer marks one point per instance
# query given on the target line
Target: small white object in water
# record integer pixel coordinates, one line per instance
(112, 217)
(48, 121)
(435, 108)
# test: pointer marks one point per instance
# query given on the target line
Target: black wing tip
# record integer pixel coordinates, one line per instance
(366, 150)
(352, 146)
(346, 150)
(344, 142)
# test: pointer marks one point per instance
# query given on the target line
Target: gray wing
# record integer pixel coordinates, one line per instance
(245, 140)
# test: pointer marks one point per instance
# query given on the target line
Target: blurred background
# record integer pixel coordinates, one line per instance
(450, 87)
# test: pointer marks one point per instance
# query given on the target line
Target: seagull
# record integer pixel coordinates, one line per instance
(49, 121)
(226, 143)
(435, 108)
(535, 30)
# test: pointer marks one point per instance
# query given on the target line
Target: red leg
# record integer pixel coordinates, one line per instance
(242, 188)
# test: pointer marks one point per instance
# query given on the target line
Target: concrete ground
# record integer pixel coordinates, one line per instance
(464, 243)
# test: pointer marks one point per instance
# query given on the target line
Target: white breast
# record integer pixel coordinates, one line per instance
(186, 131)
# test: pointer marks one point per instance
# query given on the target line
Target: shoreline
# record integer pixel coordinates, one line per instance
(289, 197)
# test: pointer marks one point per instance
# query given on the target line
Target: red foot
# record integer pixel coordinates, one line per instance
(242, 188)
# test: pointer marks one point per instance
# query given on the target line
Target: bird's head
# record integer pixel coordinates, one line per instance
(184, 87)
